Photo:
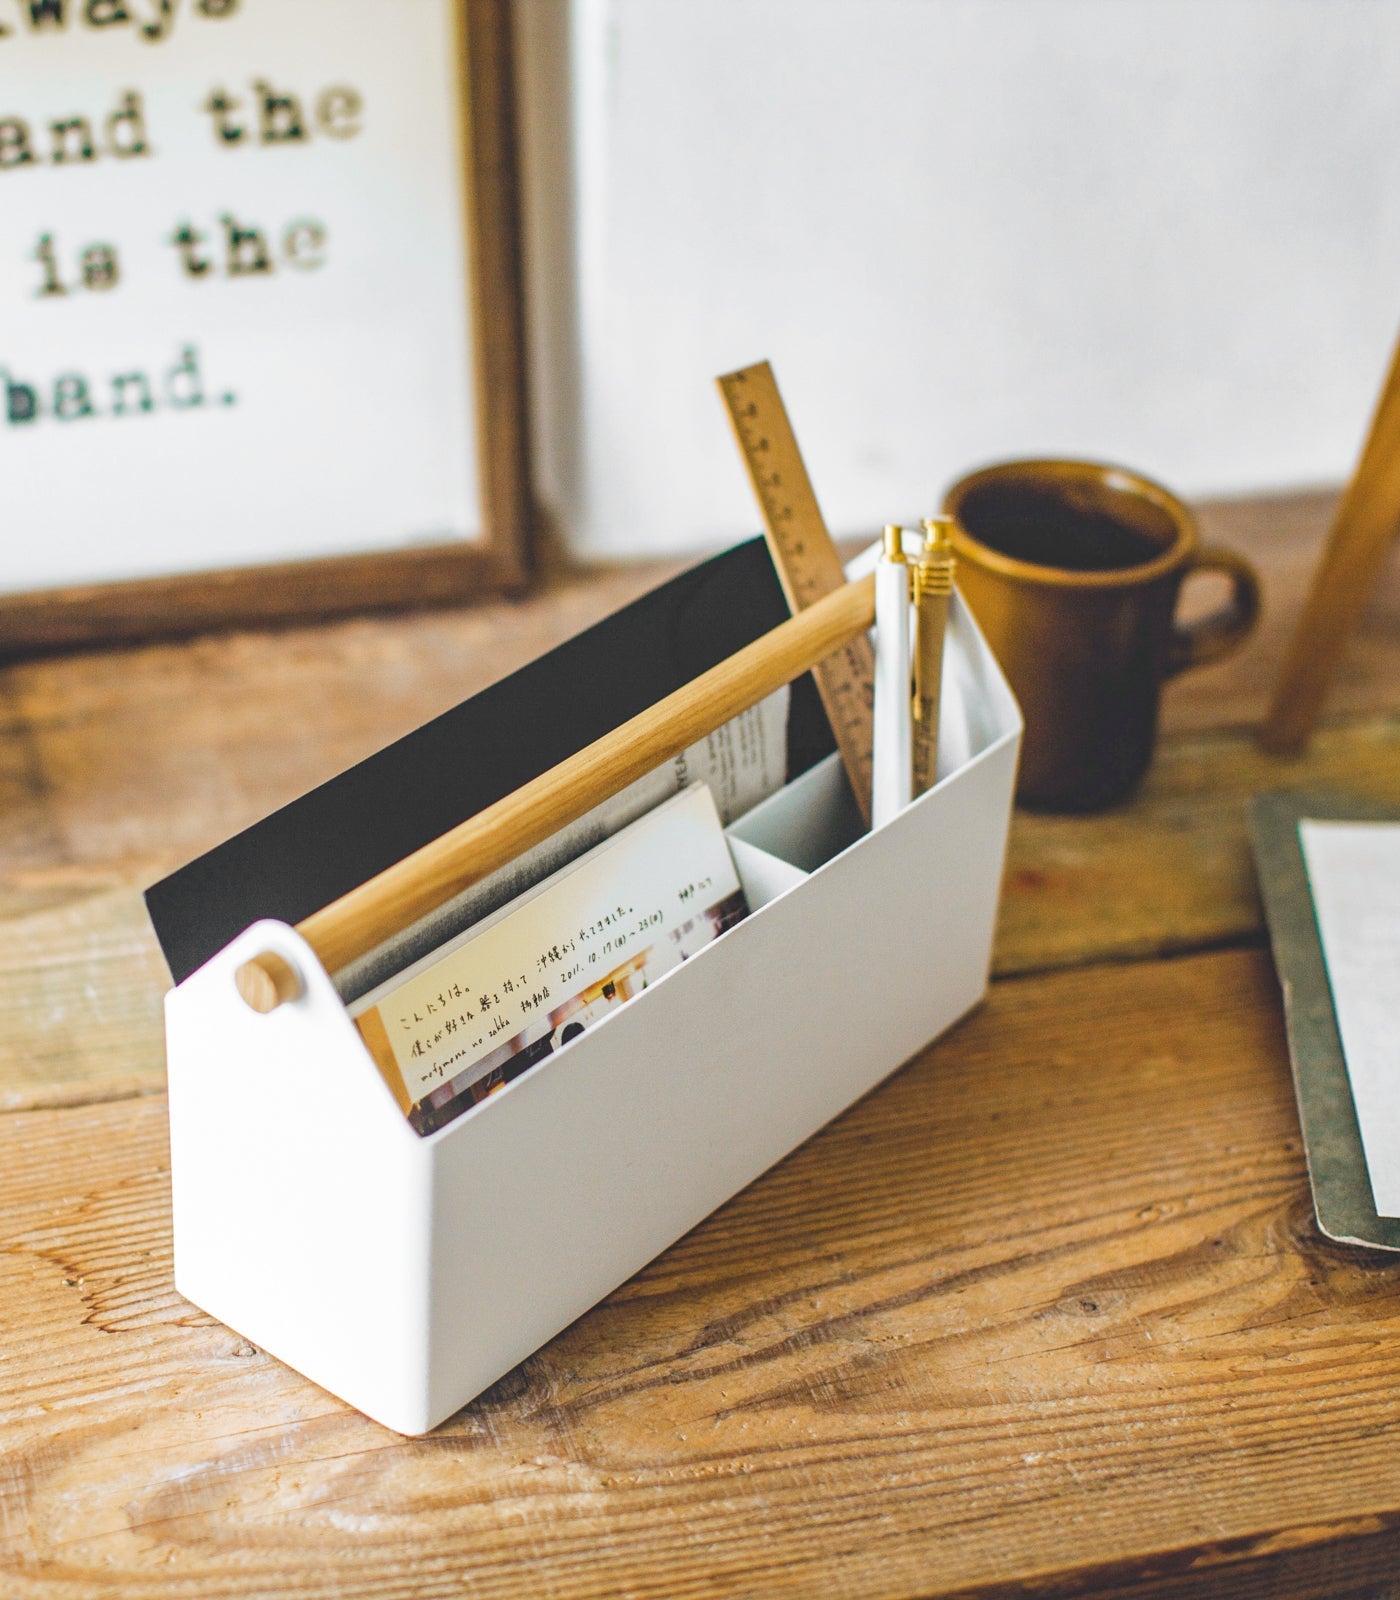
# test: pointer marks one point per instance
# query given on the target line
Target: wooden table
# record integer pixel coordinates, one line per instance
(1048, 1313)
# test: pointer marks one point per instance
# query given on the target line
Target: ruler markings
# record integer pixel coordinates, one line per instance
(805, 557)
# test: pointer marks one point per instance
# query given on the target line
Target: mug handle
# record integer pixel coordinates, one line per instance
(1223, 631)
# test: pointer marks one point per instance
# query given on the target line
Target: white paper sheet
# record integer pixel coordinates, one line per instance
(1354, 869)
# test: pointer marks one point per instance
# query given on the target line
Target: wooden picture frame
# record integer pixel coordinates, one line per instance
(499, 561)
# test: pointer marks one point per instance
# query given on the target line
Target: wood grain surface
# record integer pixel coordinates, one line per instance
(1046, 1314)
(80, 1004)
(1172, 870)
(1049, 1301)
(1284, 536)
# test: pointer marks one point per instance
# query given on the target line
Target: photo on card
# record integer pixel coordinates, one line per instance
(472, 1016)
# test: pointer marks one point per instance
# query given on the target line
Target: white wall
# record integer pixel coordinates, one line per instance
(1163, 231)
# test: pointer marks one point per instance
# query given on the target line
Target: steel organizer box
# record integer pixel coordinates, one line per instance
(406, 1274)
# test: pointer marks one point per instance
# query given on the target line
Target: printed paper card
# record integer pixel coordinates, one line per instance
(467, 1019)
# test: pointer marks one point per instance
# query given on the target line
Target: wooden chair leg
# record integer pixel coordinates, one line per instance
(1357, 545)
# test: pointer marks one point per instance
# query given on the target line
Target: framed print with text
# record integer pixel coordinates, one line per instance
(260, 325)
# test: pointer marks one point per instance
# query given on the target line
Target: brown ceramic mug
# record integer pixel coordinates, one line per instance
(1072, 569)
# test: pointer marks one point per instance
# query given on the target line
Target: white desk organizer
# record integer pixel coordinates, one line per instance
(405, 1274)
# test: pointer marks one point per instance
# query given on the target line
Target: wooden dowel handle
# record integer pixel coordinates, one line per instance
(420, 883)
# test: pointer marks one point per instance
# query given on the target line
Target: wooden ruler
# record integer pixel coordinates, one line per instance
(804, 555)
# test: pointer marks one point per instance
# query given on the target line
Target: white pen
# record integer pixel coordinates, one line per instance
(892, 783)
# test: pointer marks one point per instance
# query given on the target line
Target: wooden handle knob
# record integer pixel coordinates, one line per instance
(268, 981)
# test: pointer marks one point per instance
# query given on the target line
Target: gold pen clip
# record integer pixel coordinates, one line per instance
(937, 562)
